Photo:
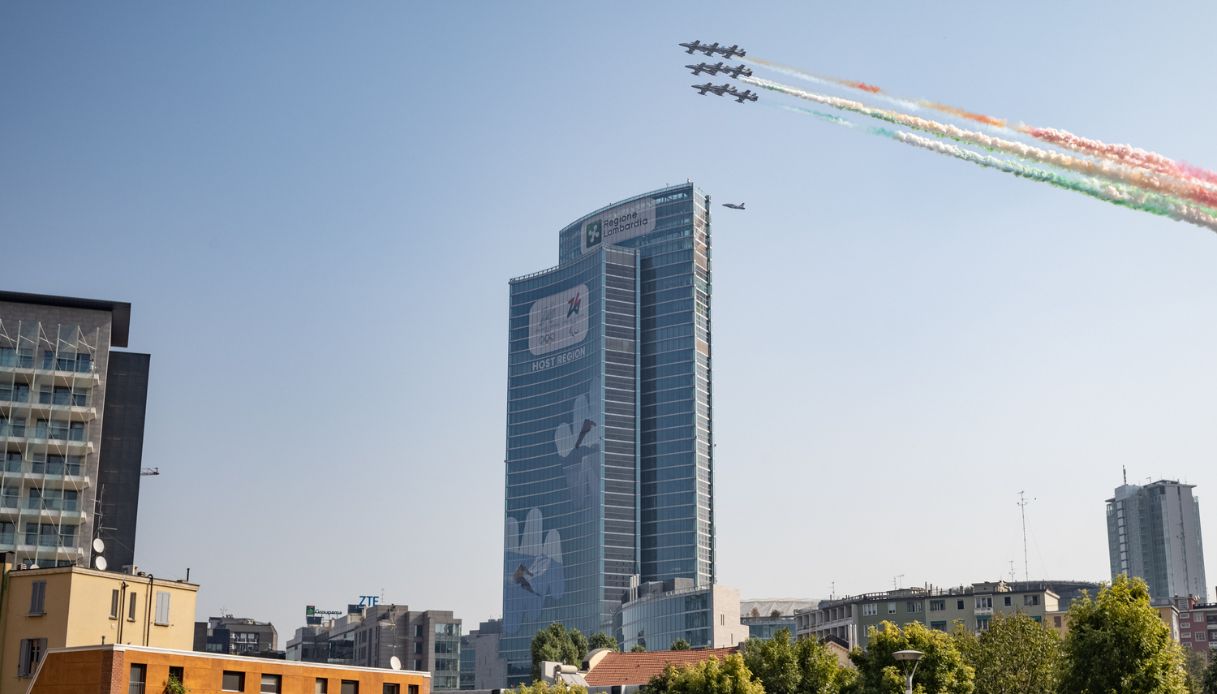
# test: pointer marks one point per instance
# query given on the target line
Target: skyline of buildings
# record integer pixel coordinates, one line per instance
(608, 480)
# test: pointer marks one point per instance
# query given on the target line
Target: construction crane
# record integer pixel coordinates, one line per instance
(150, 472)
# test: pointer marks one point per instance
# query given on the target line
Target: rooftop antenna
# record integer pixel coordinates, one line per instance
(1011, 570)
(1125, 469)
(1022, 508)
(895, 579)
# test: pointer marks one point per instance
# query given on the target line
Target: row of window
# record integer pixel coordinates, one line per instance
(41, 499)
(939, 605)
(42, 463)
(23, 358)
(234, 681)
(47, 395)
(43, 429)
(39, 534)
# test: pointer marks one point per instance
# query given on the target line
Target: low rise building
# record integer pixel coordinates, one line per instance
(481, 665)
(623, 673)
(1197, 624)
(69, 606)
(428, 641)
(122, 669)
(974, 606)
(236, 636)
(666, 611)
(764, 618)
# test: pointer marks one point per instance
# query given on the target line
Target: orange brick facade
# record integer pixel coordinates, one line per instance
(108, 670)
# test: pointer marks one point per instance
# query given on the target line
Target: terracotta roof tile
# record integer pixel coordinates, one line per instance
(639, 668)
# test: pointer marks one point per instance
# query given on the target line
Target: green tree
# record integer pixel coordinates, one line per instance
(941, 671)
(679, 645)
(638, 648)
(555, 643)
(1195, 663)
(1016, 655)
(173, 685)
(543, 687)
(785, 666)
(601, 640)
(1117, 643)
(711, 676)
(1210, 677)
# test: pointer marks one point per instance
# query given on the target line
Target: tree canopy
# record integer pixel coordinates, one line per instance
(1016, 655)
(1210, 677)
(711, 676)
(942, 669)
(601, 640)
(679, 645)
(785, 666)
(1117, 643)
(555, 643)
(543, 687)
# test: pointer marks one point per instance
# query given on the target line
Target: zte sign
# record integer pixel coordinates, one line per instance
(558, 321)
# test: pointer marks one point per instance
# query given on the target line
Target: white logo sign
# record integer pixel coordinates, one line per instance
(618, 224)
(558, 321)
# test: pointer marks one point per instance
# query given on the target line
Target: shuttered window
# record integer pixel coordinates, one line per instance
(162, 608)
(38, 597)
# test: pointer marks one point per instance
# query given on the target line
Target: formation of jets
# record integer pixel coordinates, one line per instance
(735, 72)
(725, 89)
(712, 48)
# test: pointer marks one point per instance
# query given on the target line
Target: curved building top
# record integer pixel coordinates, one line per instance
(626, 222)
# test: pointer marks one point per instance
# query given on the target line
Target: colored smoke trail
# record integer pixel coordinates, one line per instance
(1116, 194)
(1126, 155)
(1134, 176)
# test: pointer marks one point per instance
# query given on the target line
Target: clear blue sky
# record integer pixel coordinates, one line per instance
(314, 209)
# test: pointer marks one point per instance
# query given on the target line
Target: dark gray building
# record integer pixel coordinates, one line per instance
(236, 636)
(1153, 532)
(71, 430)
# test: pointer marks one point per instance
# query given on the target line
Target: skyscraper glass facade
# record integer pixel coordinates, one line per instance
(608, 468)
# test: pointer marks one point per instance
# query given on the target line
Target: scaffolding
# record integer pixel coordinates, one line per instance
(50, 436)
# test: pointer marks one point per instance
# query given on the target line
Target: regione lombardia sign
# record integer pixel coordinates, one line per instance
(558, 320)
(618, 224)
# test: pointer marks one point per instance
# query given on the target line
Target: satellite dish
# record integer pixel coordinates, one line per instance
(395, 663)
(99, 545)
(100, 562)
(33, 566)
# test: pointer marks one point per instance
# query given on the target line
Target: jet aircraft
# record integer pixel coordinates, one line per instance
(707, 48)
(736, 71)
(716, 89)
(731, 52)
(743, 96)
(706, 68)
(734, 206)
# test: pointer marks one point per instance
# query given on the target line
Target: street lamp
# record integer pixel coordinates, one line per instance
(904, 657)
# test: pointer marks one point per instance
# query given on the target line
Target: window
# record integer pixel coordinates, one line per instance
(233, 681)
(891, 608)
(1029, 600)
(177, 673)
(162, 608)
(1186, 636)
(31, 653)
(912, 606)
(114, 604)
(272, 684)
(411, 689)
(418, 646)
(982, 623)
(391, 688)
(131, 608)
(870, 609)
(321, 686)
(350, 687)
(1056, 621)
(1006, 601)
(139, 676)
(959, 604)
(38, 598)
(940, 626)
(8, 533)
(984, 603)
(938, 605)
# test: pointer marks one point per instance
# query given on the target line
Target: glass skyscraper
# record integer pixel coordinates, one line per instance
(609, 453)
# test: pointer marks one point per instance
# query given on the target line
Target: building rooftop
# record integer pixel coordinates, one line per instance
(638, 668)
(120, 310)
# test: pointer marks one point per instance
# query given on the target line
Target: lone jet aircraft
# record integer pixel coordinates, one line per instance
(731, 52)
(743, 96)
(706, 68)
(716, 89)
(736, 71)
(734, 206)
(707, 48)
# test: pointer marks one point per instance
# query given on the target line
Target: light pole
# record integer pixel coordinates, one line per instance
(904, 657)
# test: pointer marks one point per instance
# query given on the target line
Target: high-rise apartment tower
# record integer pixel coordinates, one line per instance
(609, 448)
(1154, 532)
